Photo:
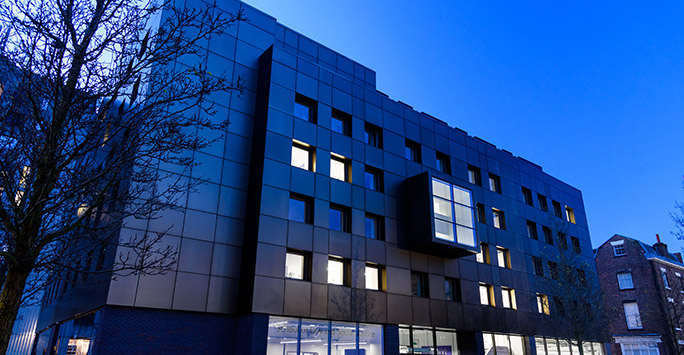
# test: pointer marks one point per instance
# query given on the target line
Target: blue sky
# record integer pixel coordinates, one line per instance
(591, 91)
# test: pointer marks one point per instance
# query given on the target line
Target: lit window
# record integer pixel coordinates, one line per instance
(419, 285)
(305, 108)
(374, 227)
(632, 315)
(340, 122)
(373, 276)
(300, 209)
(543, 205)
(294, 265)
(373, 136)
(542, 304)
(508, 298)
(663, 275)
(538, 266)
(527, 195)
(339, 218)
(532, 230)
(339, 168)
(487, 295)
(548, 235)
(557, 208)
(569, 214)
(443, 163)
(494, 183)
(499, 220)
(576, 245)
(412, 151)
(452, 289)
(474, 175)
(619, 249)
(337, 271)
(503, 257)
(302, 156)
(453, 213)
(373, 179)
(483, 255)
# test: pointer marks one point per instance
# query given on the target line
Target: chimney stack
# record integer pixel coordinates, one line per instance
(661, 248)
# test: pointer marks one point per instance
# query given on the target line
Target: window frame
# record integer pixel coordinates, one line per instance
(543, 304)
(311, 104)
(527, 196)
(412, 151)
(557, 209)
(619, 250)
(543, 202)
(379, 227)
(506, 255)
(498, 218)
(308, 208)
(305, 267)
(443, 163)
(346, 166)
(345, 120)
(483, 257)
(311, 155)
(345, 268)
(372, 130)
(421, 288)
(454, 284)
(532, 230)
(377, 268)
(538, 266)
(487, 289)
(508, 294)
(474, 175)
(494, 183)
(548, 235)
(570, 214)
(637, 316)
(377, 178)
(562, 240)
(481, 214)
(576, 245)
(345, 218)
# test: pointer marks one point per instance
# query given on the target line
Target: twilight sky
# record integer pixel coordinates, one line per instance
(591, 91)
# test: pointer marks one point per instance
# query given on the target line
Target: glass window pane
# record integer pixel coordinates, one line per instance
(370, 181)
(338, 169)
(343, 337)
(444, 230)
(447, 343)
(405, 341)
(551, 346)
(564, 347)
(502, 346)
(484, 295)
(441, 189)
(297, 210)
(336, 222)
(464, 215)
(335, 272)
(337, 125)
(497, 219)
(300, 157)
(501, 257)
(462, 196)
(372, 277)
(541, 349)
(370, 339)
(442, 208)
(302, 111)
(465, 235)
(314, 337)
(422, 341)
(506, 298)
(488, 343)
(449, 290)
(371, 227)
(518, 345)
(294, 266)
(282, 335)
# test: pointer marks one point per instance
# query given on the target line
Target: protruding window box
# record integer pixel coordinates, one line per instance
(440, 218)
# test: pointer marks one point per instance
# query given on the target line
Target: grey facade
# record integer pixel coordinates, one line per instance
(237, 235)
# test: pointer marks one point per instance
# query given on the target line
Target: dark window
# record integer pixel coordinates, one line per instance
(373, 179)
(481, 214)
(305, 108)
(553, 269)
(576, 245)
(300, 209)
(452, 289)
(339, 218)
(557, 209)
(543, 205)
(562, 241)
(560, 308)
(548, 235)
(538, 266)
(532, 230)
(619, 250)
(340, 122)
(443, 163)
(499, 218)
(373, 135)
(527, 194)
(474, 176)
(494, 183)
(374, 227)
(582, 277)
(419, 284)
(412, 152)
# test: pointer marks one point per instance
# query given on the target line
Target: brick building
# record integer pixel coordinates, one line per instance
(643, 296)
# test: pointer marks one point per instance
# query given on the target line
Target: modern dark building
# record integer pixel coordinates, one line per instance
(334, 220)
(644, 295)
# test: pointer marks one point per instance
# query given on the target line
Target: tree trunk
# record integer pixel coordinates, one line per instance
(10, 300)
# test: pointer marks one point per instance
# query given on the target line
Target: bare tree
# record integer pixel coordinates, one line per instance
(99, 98)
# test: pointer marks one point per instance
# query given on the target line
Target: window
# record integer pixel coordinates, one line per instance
(419, 284)
(339, 218)
(494, 183)
(503, 256)
(453, 213)
(499, 220)
(527, 195)
(303, 156)
(548, 235)
(569, 214)
(443, 163)
(373, 179)
(374, 227)
(296, 265)
(542, 304)
(557, 208)
(543, 205)
(576, 245)
(481, 215)
(663, 275)
(483, 255)
(339, 168)
(300, 209)
(452, 289)
(532, 230)
(619, 250)
(340, 122)
(562, 241)
(373, 277)
(582, 277)
(474, 176)
(508, 298)
(487, 295)
(305, 108)
(632, 315)
(538, 266)
(560, 307)
(412, 151)
(373, 136)
(338, 271)
(553, 269)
